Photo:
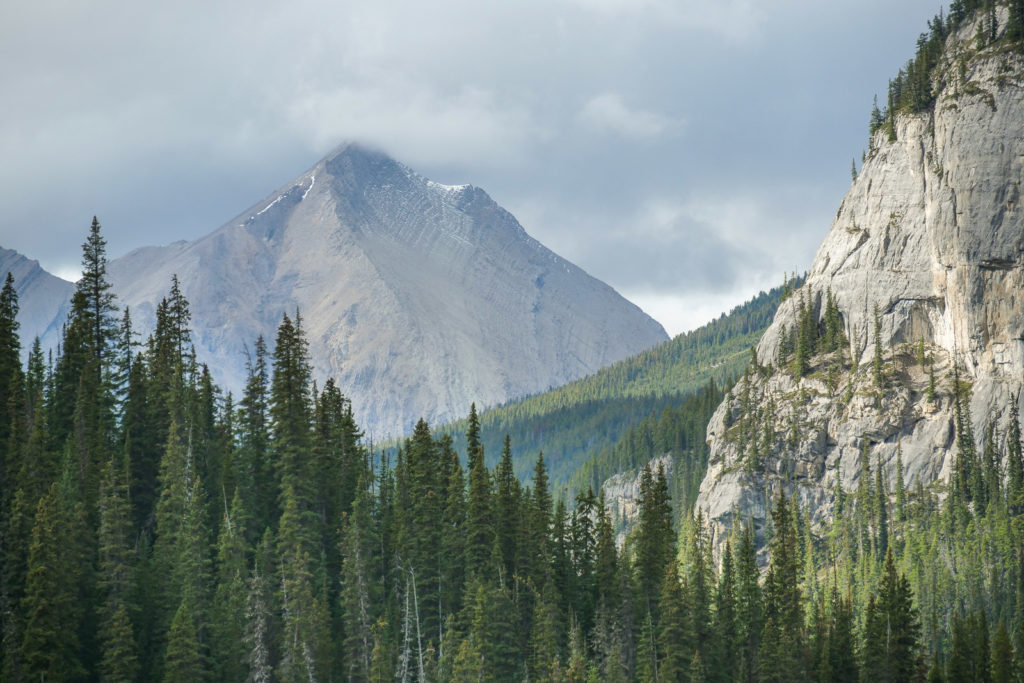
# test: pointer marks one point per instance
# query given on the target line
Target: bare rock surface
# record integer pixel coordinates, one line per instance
(931, 232)
(418, 298)
(43, 299)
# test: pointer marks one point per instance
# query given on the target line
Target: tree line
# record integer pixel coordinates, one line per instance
(154, 529)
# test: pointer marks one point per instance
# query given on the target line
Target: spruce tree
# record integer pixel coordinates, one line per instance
(50, 645)
(676, 641)
(479, 526)
(359, 585)
(892, 629)
(654, 546)
(116, 577)
(749, 600)
(1002, 656)
(725, 645)
(783, 639)
(184, 660)
(227, 623)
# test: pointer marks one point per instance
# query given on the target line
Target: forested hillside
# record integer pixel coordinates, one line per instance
(584, 418)
(154, 529)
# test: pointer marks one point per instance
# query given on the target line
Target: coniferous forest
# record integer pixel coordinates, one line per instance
(156, 528)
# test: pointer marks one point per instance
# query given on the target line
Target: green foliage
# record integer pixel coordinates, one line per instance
(914, 89)
(587, 416)
(131, 552)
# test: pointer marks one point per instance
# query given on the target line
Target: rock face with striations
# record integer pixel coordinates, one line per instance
(43, 300)
(932, 233)
(418, 298)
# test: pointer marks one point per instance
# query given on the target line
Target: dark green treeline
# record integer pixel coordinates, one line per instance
(154, 529)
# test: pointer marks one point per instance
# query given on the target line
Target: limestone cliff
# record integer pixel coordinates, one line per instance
(931, 233)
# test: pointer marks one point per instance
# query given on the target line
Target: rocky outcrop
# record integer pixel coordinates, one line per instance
(622, 496)
(931, 233)
(418, 298)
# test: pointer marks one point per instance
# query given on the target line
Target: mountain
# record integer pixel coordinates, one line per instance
(920, 279)
(43, 299)
(418, 298)
(579, 426)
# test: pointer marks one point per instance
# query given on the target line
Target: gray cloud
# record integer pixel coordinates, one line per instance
(736, 119)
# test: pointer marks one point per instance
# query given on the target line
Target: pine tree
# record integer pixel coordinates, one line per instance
(725, 644)
(261, 633)
(750, 606)
(783, 640)
(423, 525)
(876, 118)
(453, 541)
(506, 504)
(88, 338)
(699, 583)
(655, 540)
(119, 658)
(359, 585)
(50, 646)
(544, 634)
(892, 629)
(1002, 656)
(676, 642)
(479, 528)
(10, 380)
(842, 647)
(227, 627)
(253, 471)
(881, 512)
(184, 660)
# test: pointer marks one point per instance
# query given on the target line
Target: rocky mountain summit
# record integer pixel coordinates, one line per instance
(928, 243)
(418, 298)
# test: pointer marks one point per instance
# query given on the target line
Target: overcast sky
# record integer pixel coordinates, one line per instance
(688, 153)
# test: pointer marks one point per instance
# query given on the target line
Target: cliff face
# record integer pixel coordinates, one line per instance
(931, 232)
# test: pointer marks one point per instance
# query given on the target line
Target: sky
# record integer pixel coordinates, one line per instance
(689, 153)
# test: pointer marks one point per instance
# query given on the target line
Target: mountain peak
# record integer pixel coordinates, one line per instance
(419, 298)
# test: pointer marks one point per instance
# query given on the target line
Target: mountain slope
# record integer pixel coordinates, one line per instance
(931, 236)
(419, 298)
(43, 299)
(585, 419)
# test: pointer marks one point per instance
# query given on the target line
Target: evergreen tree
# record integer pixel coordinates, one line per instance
(253, 471)
(725, 643)
(50, 646)
(891, 630)
(227, 627)
(676, 642)
(750, 606)
(783, 640)
(479, 529)
(184, 660)
(359, 594)
(842, 647)
(119, 658)
(654, 546)
(506, 505)
(1002, 656)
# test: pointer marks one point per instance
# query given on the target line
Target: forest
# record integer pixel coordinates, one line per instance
(592, 416)
(154, 529)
